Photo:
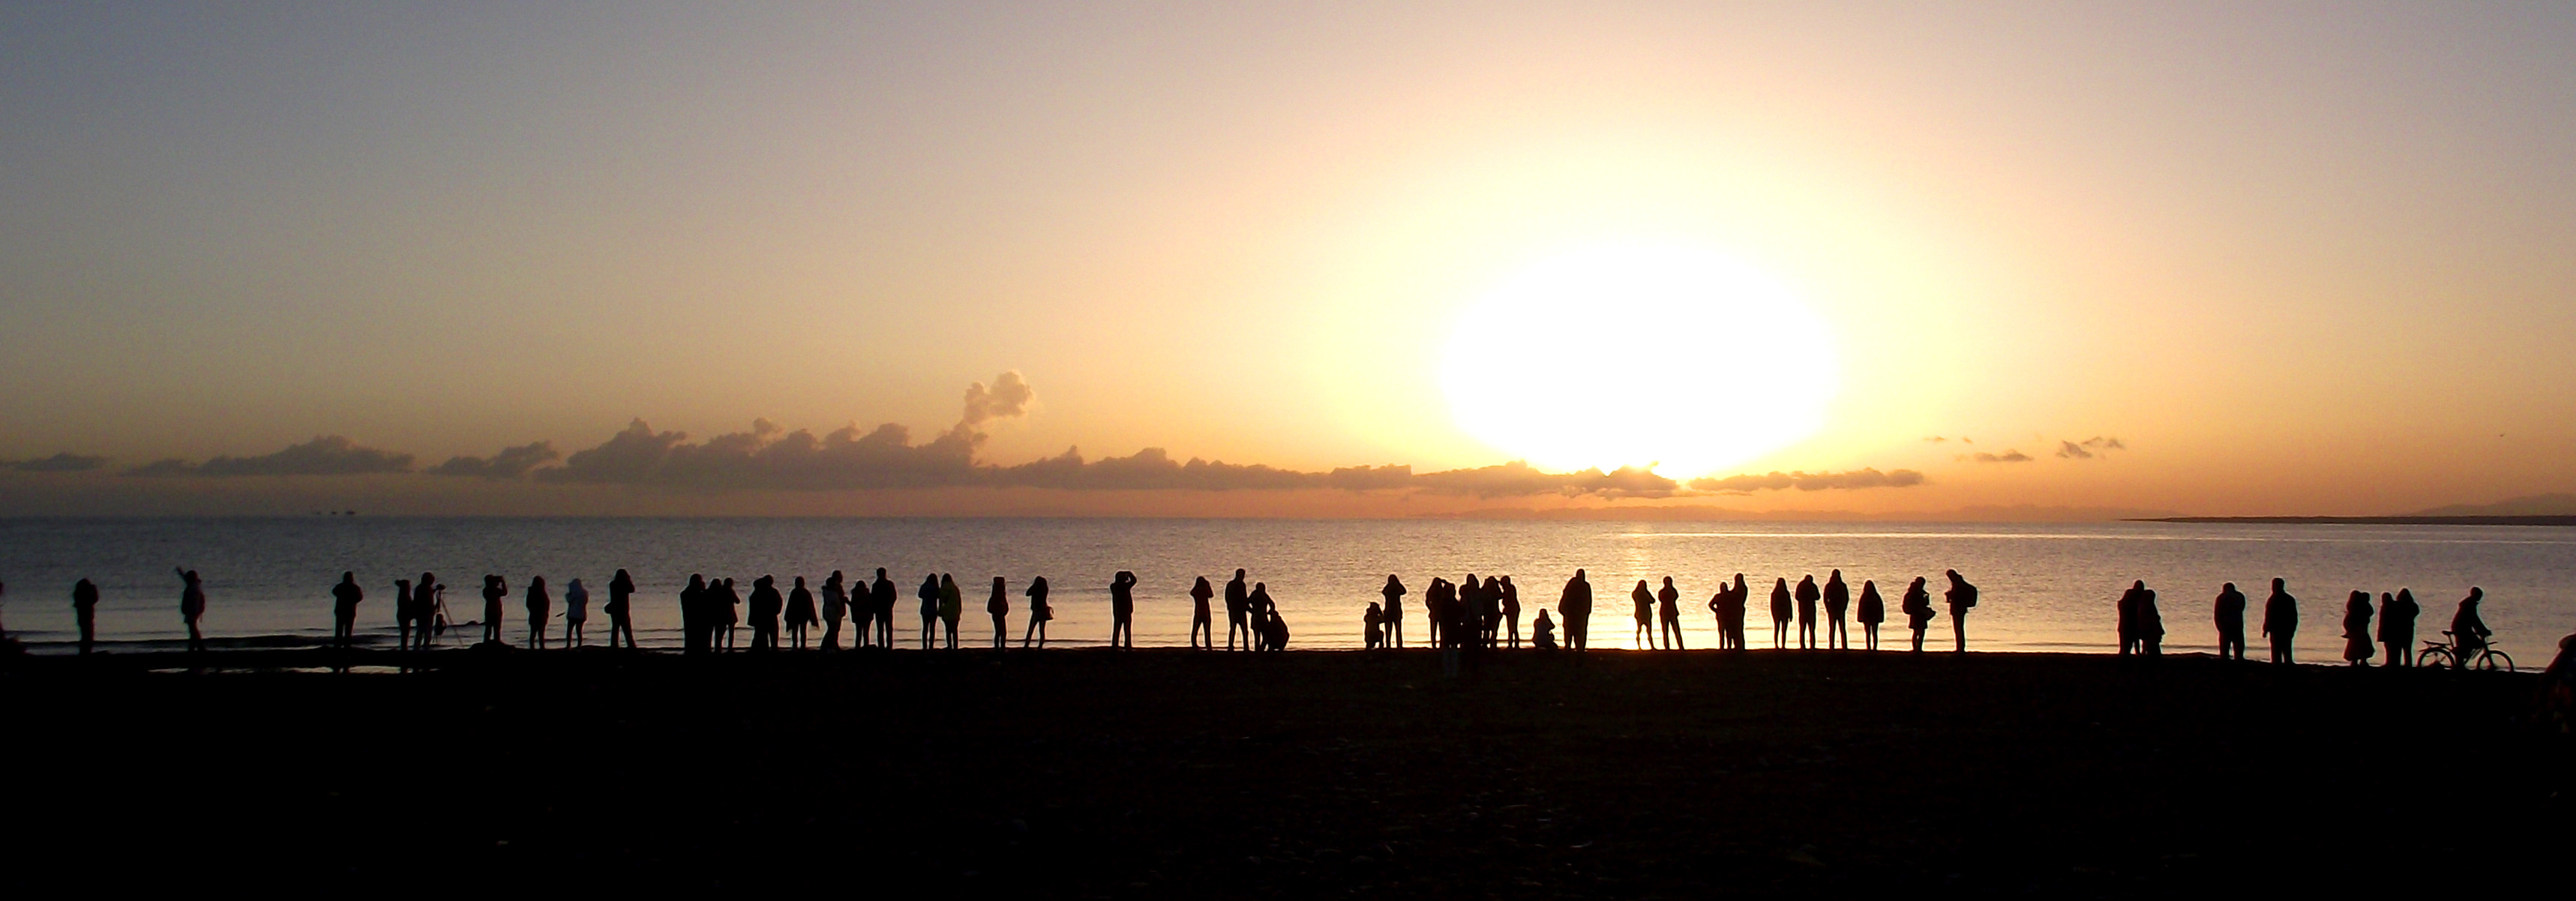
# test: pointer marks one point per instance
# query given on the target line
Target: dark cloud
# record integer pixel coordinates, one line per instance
(510, 463)
(1936, 439)
(1519, 479)
(1153, 469)
(2068, 450)
(2008, 456)
(1811, 481)
(1009, 398)
(765, 457)
(323, 456)
(2088, 448)
(63, 462)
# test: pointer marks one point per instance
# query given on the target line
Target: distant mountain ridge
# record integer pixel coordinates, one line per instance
(2534, 505)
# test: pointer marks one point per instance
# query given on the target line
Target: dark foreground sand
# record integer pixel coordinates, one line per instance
(1171, 773)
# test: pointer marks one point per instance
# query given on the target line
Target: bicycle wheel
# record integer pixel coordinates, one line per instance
(2434, 657)
(2492, 659)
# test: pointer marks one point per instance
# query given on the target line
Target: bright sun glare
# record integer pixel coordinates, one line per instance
(1636, 354)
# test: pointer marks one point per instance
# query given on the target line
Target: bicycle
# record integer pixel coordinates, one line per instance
(2447, 653)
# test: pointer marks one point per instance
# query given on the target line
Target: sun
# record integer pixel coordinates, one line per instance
(1634, 354)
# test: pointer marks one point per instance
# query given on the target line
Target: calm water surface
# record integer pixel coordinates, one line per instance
(2045, 587)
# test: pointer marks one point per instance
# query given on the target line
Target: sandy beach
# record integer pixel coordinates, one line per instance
(1097, 773)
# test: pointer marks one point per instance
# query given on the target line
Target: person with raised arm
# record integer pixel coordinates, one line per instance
(800, 613)
(836, 607)
(2281, 621)
(2397, 627)
(540, 604)
(1394, 592)
(1837, 605)
(85, 612)
(1040, 612)
(1873, 610)
(1201, 621)
(344, 609)
(1122, 610)
(192, 607)
(1962, 597)
(1807, 596)
(1668, 612)
(576, 612)
(2229, 611)
(1574, 606)
(620, 609)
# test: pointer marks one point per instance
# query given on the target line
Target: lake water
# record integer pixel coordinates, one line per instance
(2045, 587)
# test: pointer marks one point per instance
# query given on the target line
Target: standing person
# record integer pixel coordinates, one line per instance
(1512, 611)
(1781, 611)
(929, 595)
(2229, 610)
(1917, 605)
(576, 612)
(344, 609)
(729, 610)
(800, 613)
(1575, 608)
(952, 605)
(405, 610)
(2128, 616)
(1237, 595)
(85, 612)
(1267, 635)
(1962, 597)
(1490, 614)
(2468, 630)
(766, 607)
(2357, 648)
(1435, 607)
(1040, 612)
(1807, 596)
(1394, 592)
(1201, 622)
(882, 594)
(621, 589)
(1873, 610)
(429, 599)
(1668, 611)
(2397, 627)
(540, 609)
(1739, 603)
(1643, 600)
(192, 607)
(494, 589)
(2150, 624)
(694, 630)
(836, 606)
(1837, 603)
(999, 608)
(2281, 620)
(1122, 610)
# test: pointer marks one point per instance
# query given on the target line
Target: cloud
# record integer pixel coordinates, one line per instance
(323, 456)
(1009, 398)
(62, 462)
(1811, 481)
(510, 463)
(2069, 450)
(1519, 479)
(2008, 456)
(1936, 439)
(2088, 448)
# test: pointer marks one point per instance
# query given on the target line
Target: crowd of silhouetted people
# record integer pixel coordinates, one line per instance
(2142, 628)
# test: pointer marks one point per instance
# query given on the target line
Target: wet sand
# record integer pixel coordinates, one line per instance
(1171, 773)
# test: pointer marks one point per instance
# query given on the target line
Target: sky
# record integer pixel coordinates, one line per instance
(2059, 262)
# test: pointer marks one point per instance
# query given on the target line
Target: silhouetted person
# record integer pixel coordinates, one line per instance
(576, 612)
(344, 609)
(929, 595)
(430, 599)
(730, 610)
(2397, 627)
(405, 611)
(620, 609)
(2281, 621)
(1489, 613)
(1837, 605)
(540, 605)
(192, 607)
(1122, 610)
(1543, 632)
(1807, 596)
(1511, 599)
(1040, 612)
(1668, 612)
(1873, 610)
(800, 613)
(2229, 611)
(1642, 601)
(85, 612)
(952, 604)
(2128, 622)
(1962, 597)
(2468, 631)
(1739, 604)
(1575, 607)
(999, 608)
(2151, 624)
(1201, 621)
(696, 628)
(836, 607)
(1373, 627)
(2357, 648)
(1237, 596)
(1917, 605)
(1782, 609)
(1435, 607)
(1394, 593)
(883, 595)
(494, 589)
(1274, 628)
(766, 607)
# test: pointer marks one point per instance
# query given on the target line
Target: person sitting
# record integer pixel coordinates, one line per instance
(1543, 632)
(1374, 630)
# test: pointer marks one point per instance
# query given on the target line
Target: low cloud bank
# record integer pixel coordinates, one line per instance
(62, 462)
(510, 463)
(330, 455)
(1811, 481)
(2008, 456)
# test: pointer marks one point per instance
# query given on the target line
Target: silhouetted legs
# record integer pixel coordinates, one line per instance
(2231, 644)
(1234, 623)
(1959, 630)
(1512, 623)
(537, 632)
(2280, 648)
(343, 628)
(1918, 639)
(1806, 635)
(1645, 636)
(1199, 625)
(620, 625)
(1869, 635)
(929, 630)
(1837, 635)
(1037, 627)
(796, 636)
(572, 634)
(1779, 633)
(1673, 634)
(951, 626)
(196, 639)
(832, 634)
(2399, 654)
(1001, 631)
(1122, 631)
